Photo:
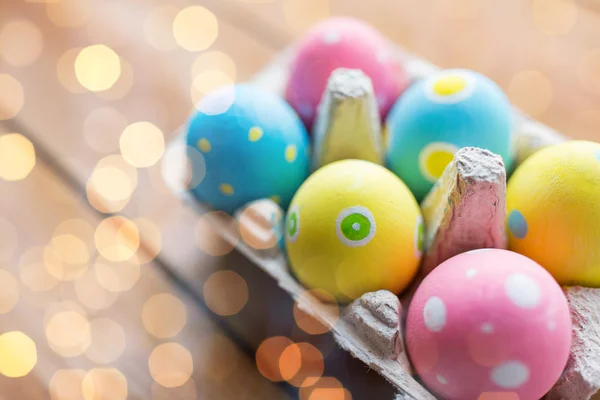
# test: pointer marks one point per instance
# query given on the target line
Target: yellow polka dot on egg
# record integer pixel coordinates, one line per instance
(226, 189)
(449, 85)
(255, 133)
(291, 153)
(434, 158)
(204, 145)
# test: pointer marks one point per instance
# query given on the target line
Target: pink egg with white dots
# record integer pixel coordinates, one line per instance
(342, 42)
(489, 324)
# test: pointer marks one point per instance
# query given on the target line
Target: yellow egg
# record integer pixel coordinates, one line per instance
(354, 227)
(553, 205)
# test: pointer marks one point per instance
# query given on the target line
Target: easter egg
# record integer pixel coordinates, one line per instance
(553, 211)
(486, 324)
(253, 147)
(354, 227)
(342, 42)
(440, 114)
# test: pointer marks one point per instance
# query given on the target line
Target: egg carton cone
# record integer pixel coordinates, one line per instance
(371, 327)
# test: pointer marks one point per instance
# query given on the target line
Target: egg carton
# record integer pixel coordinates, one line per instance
(371, 327)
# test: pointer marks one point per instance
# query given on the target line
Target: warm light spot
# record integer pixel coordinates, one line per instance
(69, 13)
(302, 14)
(76, 226)
(11, 97)
(258, 228)
(311, 367)
(185, 392)
(171, 365)
(158, 27)
(65, 384)
(117, 276)
(204, 145)
(111, 184)
(9, 240)
(531, 92)
(164, 315)
(449, 85)
(33, 269)
(68, 333)
(117, 238)
(182, 167)
(195, 28)
(209, 236)
(207, 82)
(57, 266)
(9, 292)
(142, 144)
(219, 357)
(226, 189)
(214, 60)
(588, 71)
(104, 384)
(97, 67)
(102, 129)
(554, 17)
(325, 388)
(65, 70)
(17, 156)
(20, 42)
(255, 134)
(70, 249)
(268, 357)
(310, 324)
(290, 361)
(291, 152)
(19, 354)
(122, 86)
(108, 341)
(225, 293)
(152, 238)
(91, 294)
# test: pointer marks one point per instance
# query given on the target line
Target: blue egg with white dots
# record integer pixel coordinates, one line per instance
(440, 114)
(254, 146)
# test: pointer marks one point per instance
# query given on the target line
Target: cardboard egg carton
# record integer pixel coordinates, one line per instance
(464, 211)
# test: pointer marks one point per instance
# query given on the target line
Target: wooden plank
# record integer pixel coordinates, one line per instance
(58, 235)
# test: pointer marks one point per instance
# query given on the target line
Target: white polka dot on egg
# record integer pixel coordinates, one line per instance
(487, 328)
(332, 37)
(434, 314)
(522, 291)
(471, 273)
(551, 325)
(510, 374)
(441, 379)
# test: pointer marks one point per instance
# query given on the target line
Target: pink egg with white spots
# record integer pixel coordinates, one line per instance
(489, 324)
(342, 42)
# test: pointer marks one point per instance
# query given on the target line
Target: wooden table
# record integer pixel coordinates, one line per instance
(138, 327)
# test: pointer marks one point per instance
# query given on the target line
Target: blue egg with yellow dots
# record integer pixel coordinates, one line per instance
(440, 114)
(254, 146)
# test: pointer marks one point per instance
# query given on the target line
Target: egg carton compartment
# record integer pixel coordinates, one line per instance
(371, 327)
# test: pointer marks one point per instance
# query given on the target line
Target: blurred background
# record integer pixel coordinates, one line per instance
(110, 288)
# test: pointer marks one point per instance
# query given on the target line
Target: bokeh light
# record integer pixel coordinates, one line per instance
(195, 28)
(34, 265)
(302, 14)
(111, 184)
(164, 315)
(66, 384)
(214, 60)
(176, 167)
(102, 129)
(117, 238)
(142, 144)
(19, 354)
(256, 228)
(171, 365)
(554, 17)
(209, 238)
(9, 292)
(117, 276)
(152, 240)
(326, 388)
(268, 357)
(310, 324)
(17, 156)
(530, 91)
(103, 384)
(108, 341)
(21, 42)
(9, 240)
(219, 357)
(92, 294)
(207, 82)
(65, 71)
(301, 364)
(158, 27)
(97, 67)
(225, 293)
(68, 333)
(70, 249)
(185, 392)
(69, 13)
(12, 97)
(122, 86)
(588, 71)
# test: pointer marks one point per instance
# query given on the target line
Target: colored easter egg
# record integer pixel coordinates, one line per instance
(342, 42)
(254, 148)
(354, 227)
(440, 114)
(486, 323)
(553, 211)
